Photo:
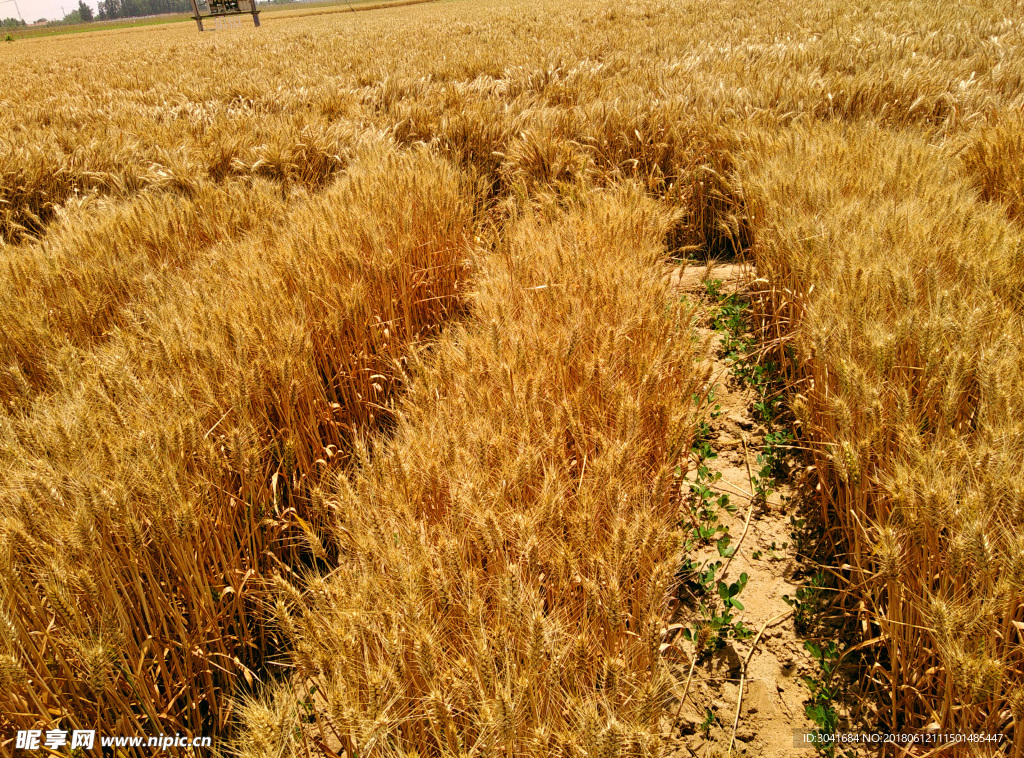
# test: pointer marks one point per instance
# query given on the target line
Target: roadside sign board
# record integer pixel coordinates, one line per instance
(205, 9)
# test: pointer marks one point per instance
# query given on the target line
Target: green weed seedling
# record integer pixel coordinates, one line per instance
(731, 317)
(701, 576)
(770, 465)
(728, 592)
(705, 576)
(713, 288)
(723, 546)
(702, 448)
(712, 632)
(717, 625)
(773, 552)
(804, 534)
(308, 706)
(808, 603)
(707, 723)
(824, 690)
(705, 504)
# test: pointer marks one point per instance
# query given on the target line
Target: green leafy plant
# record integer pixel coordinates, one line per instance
(808, 603)
(307, 705)
(717, 624)
(713, 288)
(770, 463)
(705, 408)
(707, 723)
(723, 546)
(705, 505)
(824, 688)
(772, 553)
(701, 577)
(728, 592)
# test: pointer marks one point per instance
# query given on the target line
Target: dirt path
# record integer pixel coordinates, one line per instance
(773, 694)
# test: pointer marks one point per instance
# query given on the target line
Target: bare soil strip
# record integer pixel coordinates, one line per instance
(773, 695)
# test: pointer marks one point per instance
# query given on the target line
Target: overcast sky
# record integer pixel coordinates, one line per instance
(35, 9)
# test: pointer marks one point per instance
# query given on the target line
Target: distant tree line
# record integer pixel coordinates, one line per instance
(11, 23)
(109, 9)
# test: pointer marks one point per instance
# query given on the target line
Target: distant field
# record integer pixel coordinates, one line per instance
(128, 23)
(351, 404)
(272, 11)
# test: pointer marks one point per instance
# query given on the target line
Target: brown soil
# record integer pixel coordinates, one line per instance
(773, 694)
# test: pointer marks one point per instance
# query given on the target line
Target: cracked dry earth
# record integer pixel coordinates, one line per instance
(773, 693)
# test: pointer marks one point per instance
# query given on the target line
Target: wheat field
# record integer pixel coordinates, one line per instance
(345, 408)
